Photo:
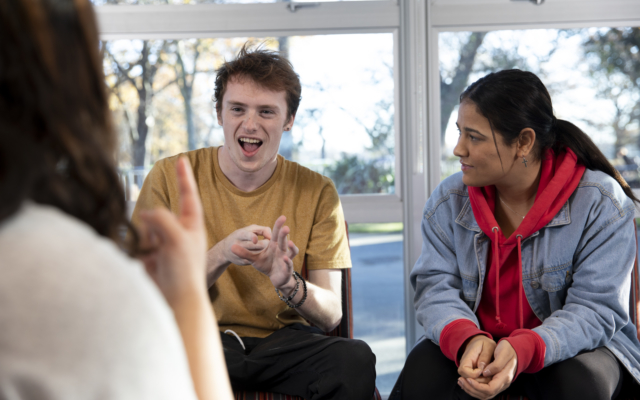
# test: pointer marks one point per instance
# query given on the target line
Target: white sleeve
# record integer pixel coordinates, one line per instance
(80, 320)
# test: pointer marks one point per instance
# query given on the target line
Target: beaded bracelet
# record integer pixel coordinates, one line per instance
(298, 278)
(295, 291)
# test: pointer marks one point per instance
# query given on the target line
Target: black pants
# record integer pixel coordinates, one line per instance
(300, 360)
(594, 374)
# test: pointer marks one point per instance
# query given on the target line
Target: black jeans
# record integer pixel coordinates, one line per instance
(300, 360)
(594, 374)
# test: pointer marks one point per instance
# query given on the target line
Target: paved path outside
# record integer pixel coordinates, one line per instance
(378, 296)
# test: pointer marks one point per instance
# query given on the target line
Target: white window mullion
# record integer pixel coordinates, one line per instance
(412, 112)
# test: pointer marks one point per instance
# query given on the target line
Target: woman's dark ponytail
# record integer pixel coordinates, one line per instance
(513, 100)
(589, 155)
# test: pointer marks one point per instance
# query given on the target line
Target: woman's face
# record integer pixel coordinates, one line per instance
(477, 150)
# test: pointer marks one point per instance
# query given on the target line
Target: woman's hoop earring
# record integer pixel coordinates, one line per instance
(524, 161)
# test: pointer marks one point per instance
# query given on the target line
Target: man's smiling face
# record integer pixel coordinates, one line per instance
(252, 119)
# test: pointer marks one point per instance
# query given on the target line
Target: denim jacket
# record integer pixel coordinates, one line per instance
(576, 270)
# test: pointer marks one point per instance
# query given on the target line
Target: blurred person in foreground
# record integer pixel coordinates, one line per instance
(523, 283)
(259, 295)
(79, 318)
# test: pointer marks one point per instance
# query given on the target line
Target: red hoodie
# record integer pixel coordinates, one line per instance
(504, 311)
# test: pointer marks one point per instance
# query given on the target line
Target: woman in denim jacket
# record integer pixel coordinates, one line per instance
(523, 282)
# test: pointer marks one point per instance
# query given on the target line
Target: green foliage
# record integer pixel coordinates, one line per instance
(614, 57)
(382, 132)
(357, 175)
(617, 51)
(354, 175)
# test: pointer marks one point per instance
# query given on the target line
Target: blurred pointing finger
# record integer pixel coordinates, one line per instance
(190, 205)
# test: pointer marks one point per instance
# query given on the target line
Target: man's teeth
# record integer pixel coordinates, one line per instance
(247, 140)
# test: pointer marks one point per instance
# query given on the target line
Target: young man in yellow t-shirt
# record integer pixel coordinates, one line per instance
(246, 188)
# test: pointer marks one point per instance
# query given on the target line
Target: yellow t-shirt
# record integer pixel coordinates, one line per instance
(244, 299)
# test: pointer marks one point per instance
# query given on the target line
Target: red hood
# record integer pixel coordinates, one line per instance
(559, 177)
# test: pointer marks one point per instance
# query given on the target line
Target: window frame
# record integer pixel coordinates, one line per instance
(240, 20)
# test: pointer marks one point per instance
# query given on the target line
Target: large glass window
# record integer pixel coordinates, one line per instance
(161, 97)
(593, 76)
(378, 301)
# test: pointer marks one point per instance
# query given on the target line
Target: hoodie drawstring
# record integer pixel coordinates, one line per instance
(496, 266)
(521, 313)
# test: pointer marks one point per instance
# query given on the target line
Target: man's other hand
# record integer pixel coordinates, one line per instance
(246, 238)
(275, 260)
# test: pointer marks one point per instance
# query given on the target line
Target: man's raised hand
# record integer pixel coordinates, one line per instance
(247, 239)
(275, 260)
(220, 256)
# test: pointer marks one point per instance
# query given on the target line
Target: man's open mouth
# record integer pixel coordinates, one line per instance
(250, 145)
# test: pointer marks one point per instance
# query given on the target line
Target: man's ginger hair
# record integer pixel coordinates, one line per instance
(267, 69)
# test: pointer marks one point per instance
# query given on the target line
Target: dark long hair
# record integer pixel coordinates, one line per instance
(513, 100)
(57, 146)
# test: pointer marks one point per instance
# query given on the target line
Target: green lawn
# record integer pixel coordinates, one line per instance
(391, 227)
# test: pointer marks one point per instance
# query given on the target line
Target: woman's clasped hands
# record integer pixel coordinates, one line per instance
(487, 369)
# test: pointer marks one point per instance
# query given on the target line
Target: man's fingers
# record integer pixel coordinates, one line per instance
(293, 248)
(250, 241)
(251, 233)
(288, 262)
(259, 230)
(244, 235)
(277, 226)
(266, 232)
(190, 205)
(258, 246)
(243, 253)
(282, 239)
